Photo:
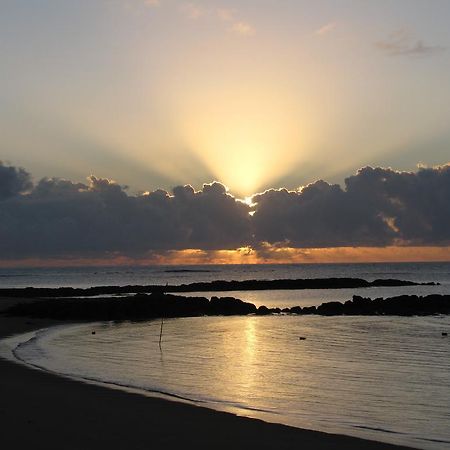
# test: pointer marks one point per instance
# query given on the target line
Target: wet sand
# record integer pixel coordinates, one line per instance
(43, 411)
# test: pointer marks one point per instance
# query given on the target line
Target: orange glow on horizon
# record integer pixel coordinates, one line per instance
(247, 255)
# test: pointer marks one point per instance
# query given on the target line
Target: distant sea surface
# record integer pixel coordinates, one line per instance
(161, 275)
(382, 378)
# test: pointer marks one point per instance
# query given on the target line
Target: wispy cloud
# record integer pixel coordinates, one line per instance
(243, 28)
(229, 16)
(226, 14)
(238, 26)
(325, 29)
(192, 11)
(403, 43)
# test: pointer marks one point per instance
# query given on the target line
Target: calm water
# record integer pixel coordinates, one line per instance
(383, 378)
(101, 276)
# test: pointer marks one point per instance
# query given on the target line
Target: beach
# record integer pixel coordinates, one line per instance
(46, 411)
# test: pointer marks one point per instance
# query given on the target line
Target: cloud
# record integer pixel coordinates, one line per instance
(226, 14)
(13, 181)
(192, 11)
(325, 29)
(377, 207)
(240, 27)
(402, 43)
(319, 215)
(62, 218)
(230, 16)
(243, 28)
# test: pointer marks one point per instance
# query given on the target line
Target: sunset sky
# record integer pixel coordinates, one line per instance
(253, 94)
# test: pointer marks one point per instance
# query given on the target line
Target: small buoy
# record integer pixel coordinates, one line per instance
(93, 332)
(302, 338)
(444, 333)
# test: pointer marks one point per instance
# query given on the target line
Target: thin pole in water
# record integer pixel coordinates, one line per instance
(161, 331)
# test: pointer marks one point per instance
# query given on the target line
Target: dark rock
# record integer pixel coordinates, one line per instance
(402, 305)
(263, 311)
(330, 309)
(230, 306)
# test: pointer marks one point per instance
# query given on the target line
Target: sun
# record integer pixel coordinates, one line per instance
(247, 136)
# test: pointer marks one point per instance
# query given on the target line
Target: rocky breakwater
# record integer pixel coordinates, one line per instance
(402, 305)
(138, 307)
(210, 286)
(143, 307)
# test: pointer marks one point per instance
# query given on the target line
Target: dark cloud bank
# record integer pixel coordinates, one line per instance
(376, 207)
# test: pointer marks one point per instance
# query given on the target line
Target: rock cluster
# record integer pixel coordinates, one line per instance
(142, 307)
(402, 305)
(138, 307)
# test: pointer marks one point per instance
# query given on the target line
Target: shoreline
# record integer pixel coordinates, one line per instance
(48, 411)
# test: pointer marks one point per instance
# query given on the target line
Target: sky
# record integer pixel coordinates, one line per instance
(251, 94)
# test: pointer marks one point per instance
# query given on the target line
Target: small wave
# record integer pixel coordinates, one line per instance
(14, 275)
(383, 430)
(189, 271)
(242, 407)
(39, 334)
(439, 441)
(171, 395)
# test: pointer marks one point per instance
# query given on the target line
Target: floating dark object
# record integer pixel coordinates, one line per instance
(302, 338)
(93, 332)
(444, 334)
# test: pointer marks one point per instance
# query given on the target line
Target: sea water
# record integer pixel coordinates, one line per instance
(88, 276)
(176, 275)
(382, 378)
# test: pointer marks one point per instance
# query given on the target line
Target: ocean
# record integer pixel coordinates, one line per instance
(141, 275)
(382, 378)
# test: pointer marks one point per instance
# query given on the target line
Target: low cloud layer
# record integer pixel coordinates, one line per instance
(56, 218)
(13, 181)
(377, 207)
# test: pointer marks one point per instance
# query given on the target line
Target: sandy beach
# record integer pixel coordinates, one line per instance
(44, 411)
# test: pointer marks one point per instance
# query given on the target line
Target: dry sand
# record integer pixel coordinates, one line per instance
(39, 410)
